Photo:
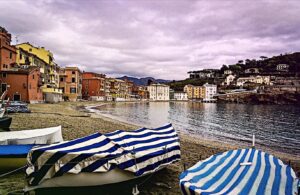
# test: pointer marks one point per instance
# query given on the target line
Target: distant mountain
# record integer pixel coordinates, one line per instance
(143, 81)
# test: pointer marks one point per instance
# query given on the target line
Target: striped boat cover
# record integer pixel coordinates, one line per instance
(141, 151)
(244, 171)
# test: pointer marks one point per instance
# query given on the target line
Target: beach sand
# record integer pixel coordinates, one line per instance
(77, 122)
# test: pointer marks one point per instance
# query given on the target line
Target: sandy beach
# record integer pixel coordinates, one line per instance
(77, 122)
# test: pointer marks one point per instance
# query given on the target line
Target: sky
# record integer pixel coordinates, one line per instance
(158, 38)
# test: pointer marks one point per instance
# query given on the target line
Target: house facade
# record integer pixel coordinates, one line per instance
(229, 80)
(180, 96)
(71, 83)
(159, 92)
(194, 92)
(49, 71)
(266, 80)
(27, 88)
(210, 91)
(93, 86)
(7, 51)
(205, 73)
(282, 67)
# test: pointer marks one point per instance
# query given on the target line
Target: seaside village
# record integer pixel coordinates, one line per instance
(29, 73)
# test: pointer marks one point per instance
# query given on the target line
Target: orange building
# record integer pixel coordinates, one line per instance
(7, 51)
(22, 85)
(93, 86)
(70, 82)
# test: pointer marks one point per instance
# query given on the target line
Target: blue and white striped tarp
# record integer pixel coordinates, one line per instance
(141, 151)
(244, 171)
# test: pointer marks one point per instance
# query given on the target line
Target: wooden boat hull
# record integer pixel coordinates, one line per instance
(5, 123)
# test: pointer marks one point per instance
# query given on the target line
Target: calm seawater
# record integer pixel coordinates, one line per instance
(275, 126)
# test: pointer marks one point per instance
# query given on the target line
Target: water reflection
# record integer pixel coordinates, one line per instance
(277, 127)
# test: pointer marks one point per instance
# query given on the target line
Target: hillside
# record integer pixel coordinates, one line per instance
(264, 64)
(143, 81)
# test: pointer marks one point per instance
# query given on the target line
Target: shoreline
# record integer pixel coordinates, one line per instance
(189, 137)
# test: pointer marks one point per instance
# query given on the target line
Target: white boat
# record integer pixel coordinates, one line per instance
(100, 159)
(36, 136)
(15, 145)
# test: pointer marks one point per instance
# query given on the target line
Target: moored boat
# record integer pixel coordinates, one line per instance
(101, 159)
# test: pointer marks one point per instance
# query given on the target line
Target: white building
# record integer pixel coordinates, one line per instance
(258, 80)
(182, 96)
(210, 91)
(228, 72)
(159, 92)
(282, 67)
(229, 79)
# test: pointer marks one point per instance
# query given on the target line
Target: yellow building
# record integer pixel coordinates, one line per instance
(28, 54)
(46, 56)
(25, 58)
(194, 92)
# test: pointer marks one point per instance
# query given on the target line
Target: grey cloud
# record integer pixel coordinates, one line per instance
(162, 39)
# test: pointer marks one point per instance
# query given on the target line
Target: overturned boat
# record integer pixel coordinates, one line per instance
(35, 136)
(243, 171)
(101, 159)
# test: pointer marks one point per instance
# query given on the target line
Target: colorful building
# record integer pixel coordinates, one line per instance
(26, 59)
(194, 92)
(143, 93)
(7, 51)
(71, 83)
(46, 56)
(93, 86)
(22, 84)
(118, 89)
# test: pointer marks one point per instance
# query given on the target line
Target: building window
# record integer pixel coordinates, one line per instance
(73, 80)
(73, 72)
(61, 79)
(21, 56)
(17, 97)
(72, 90)
(33, 76)
(4, 75)
(10, 55)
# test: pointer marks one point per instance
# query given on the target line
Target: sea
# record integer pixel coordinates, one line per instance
(276, 127)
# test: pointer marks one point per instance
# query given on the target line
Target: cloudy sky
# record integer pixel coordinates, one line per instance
(159, 38)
